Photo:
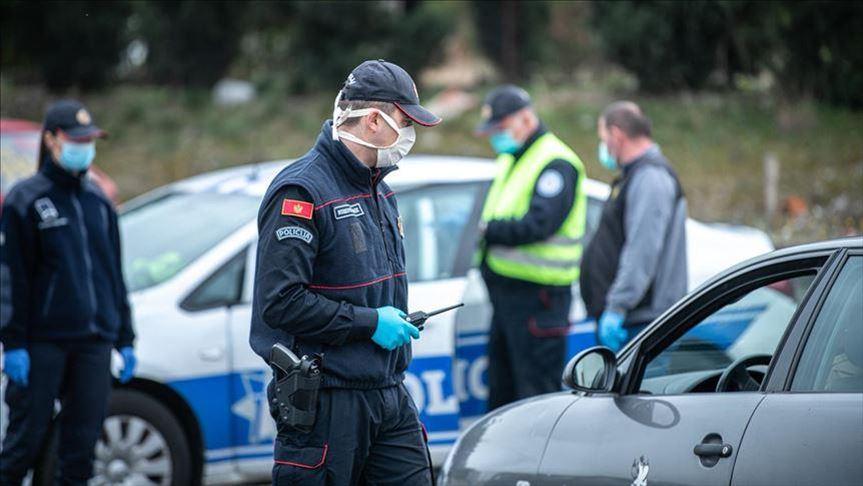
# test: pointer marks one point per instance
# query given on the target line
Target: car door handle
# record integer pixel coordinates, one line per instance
(713, 450)
(211, 354)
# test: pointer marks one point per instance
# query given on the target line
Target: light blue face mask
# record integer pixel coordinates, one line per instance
(503, 143)
(77, 157)
(605, 158)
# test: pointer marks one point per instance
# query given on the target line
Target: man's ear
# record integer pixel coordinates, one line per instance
(374, 121)
(51, 141)
(615, 133)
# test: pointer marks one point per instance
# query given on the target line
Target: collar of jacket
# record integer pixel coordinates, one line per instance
(60, 176)
(648, 154)
(345, 161)
(540, 131)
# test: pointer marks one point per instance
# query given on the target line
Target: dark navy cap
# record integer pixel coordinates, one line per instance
(499, 104)
(384, 81)
(73, 119)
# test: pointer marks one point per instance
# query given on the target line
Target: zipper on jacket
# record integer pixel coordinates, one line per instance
(49, 295)
(374, 195)
(88, 263)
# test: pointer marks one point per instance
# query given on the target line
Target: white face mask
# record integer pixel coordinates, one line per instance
(387, 156)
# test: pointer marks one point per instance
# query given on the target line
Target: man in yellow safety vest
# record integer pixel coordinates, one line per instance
(532, 228)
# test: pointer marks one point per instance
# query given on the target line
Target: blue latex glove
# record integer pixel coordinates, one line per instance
(16, 364)
(611, 331)
(393, 330)
(129, 363)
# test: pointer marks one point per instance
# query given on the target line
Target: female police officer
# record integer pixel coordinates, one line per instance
(60, 257)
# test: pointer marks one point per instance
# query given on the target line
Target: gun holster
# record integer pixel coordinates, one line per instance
(296, 385)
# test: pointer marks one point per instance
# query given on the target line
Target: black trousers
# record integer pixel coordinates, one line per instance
(360, 437)
(527, 341)
(79, 374)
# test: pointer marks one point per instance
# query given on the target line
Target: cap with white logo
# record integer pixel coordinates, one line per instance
(500, 103)
(73, 119)
(384, 81)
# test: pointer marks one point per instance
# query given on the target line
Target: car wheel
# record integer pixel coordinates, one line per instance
(142, 443)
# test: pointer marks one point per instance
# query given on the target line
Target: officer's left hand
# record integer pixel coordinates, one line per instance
(129, 363)
(392, 329)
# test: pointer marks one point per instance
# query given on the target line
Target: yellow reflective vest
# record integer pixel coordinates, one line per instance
(556, 260)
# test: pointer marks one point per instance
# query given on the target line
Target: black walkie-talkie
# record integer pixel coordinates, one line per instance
(419, 318)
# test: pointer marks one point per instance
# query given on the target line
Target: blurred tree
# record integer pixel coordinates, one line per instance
(668, 45)
(75, 43)
(819, 50)
(190, 42)
(513, 34)
(419, 34)
(813, 47)
(328, 39)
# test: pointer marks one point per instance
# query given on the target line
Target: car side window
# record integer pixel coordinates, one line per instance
(832, 359)
(751, 325)
(435, 219)
(223, 288)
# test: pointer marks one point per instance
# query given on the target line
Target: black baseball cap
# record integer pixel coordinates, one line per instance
(384, 81)
(73, 119)
(499, 104)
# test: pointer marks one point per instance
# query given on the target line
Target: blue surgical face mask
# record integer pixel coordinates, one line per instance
(503, 142)
(605, 158)
(77, 157)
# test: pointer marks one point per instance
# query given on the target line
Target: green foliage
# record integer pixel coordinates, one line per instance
(668, 45)
(74, 43)
(328, 39)
(820, 48)
(190, 42)
(513, 34)
(813, 47)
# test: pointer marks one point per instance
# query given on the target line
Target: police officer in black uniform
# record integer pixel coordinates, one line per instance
(331, 282)
(60, 262)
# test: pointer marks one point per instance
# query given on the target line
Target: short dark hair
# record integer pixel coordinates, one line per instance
(628, 117)
(384, 106)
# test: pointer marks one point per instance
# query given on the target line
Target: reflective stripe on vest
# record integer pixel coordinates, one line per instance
(556, 260)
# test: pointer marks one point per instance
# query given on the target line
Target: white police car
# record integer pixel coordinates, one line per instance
(197, 406)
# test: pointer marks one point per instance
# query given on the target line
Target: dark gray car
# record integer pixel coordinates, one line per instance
(755, 378)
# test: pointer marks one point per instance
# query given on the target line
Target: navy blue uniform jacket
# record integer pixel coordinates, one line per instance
(330, 252)
(60, 260)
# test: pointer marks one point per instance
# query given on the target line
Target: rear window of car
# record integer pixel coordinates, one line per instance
(162, 237)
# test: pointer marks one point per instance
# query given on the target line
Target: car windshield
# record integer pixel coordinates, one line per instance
(749, 326)
(163, 236)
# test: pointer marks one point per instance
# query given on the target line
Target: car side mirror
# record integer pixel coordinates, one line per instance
(592, 370)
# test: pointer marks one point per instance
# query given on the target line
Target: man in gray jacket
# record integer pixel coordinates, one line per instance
(634, 267)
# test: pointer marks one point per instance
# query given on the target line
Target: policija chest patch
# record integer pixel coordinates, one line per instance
(295, 232)
(48, 214)
(343, 211)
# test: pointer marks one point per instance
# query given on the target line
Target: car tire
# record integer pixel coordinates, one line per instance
(158, 435)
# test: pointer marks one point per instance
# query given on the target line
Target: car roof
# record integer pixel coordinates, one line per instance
(415, 170)
(848, 242)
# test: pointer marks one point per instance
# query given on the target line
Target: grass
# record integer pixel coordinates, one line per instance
(716, 142)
